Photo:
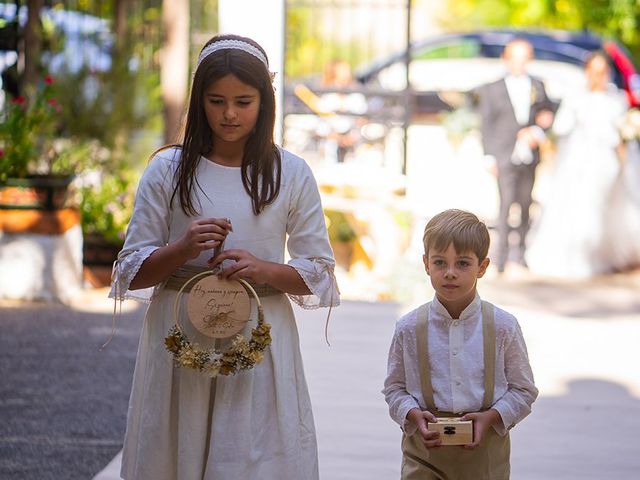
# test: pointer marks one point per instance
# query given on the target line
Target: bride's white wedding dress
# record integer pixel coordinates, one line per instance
(590, 221)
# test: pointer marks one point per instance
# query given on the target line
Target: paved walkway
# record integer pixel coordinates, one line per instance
(583, 344)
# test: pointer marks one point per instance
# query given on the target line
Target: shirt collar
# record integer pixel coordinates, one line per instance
(441, 312)
(519, 79)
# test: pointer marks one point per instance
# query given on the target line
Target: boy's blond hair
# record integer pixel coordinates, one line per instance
(458, 227)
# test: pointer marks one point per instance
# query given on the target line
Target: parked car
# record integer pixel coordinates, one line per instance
(444, 72)
(459, 62)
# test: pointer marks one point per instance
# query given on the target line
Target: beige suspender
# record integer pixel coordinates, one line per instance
(489, 354)
(422, 351)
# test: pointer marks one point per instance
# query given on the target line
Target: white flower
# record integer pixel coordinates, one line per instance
(630, 128)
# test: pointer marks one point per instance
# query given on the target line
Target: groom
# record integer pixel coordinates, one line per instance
(514, 112)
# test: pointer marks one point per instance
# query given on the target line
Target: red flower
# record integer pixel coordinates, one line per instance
(1, 153)
(19, 100)
(53, 103)
(48, 80)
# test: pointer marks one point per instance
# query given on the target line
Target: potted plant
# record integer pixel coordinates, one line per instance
(342, 237)
(36, 167)
(106, 206)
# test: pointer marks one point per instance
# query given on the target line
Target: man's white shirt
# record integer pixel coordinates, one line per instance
(519, 89)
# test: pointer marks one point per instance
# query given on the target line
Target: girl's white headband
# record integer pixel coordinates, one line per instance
(232, 44)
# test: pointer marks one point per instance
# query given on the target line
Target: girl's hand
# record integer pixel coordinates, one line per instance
(431, 439)
(201, 235)
(482, 422)
(246, 266)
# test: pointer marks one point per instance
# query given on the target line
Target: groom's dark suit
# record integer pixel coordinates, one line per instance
(499, 129)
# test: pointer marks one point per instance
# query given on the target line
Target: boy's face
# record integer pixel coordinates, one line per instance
(454, 276)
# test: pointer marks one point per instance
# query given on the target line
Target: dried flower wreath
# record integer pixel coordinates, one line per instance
(241, 355)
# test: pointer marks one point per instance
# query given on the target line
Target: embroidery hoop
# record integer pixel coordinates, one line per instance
(241, 355)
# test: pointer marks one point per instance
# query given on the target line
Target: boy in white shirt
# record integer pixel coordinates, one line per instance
(437, 362)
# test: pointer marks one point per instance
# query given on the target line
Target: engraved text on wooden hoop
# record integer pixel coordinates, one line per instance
(218, 308)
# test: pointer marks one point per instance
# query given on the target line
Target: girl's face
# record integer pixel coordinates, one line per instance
(232, 109)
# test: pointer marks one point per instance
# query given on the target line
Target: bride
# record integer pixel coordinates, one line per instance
(589, 223)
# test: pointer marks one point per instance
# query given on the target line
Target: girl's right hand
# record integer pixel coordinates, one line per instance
(419, 418)
(203, 234)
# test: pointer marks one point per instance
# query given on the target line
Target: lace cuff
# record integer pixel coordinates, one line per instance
(124, 271)
(318, 275)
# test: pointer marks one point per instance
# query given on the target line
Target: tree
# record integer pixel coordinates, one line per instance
(174, 67)
(32, 44)
(618, 18)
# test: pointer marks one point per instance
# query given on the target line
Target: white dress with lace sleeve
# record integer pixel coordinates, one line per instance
(257, 424)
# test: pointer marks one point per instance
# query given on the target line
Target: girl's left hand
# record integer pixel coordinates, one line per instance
(246, 266)
(482, 422)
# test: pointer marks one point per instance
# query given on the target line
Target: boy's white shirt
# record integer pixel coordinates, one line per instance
(457, 365)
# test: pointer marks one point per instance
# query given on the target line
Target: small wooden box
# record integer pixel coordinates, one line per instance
(453, 431)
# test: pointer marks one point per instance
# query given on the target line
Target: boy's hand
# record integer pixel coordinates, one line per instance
(431, 439)
(482, 422)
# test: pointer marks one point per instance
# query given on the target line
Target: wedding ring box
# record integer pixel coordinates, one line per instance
(453, 431)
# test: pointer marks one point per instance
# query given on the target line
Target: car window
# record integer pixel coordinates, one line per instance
(465, 48)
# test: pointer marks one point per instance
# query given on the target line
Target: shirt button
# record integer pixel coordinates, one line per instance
(455, 352)
(457, 384)
(455, 324)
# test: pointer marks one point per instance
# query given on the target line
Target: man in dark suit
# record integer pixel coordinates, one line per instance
(514, 112)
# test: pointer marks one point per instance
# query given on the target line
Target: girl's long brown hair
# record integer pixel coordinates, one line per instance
(261, 163)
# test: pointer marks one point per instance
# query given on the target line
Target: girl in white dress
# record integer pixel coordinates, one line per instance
(583, 230)
(225, 183)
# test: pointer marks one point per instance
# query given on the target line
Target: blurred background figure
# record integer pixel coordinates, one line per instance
(343, 106)
(589, 223)
(514, 110)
